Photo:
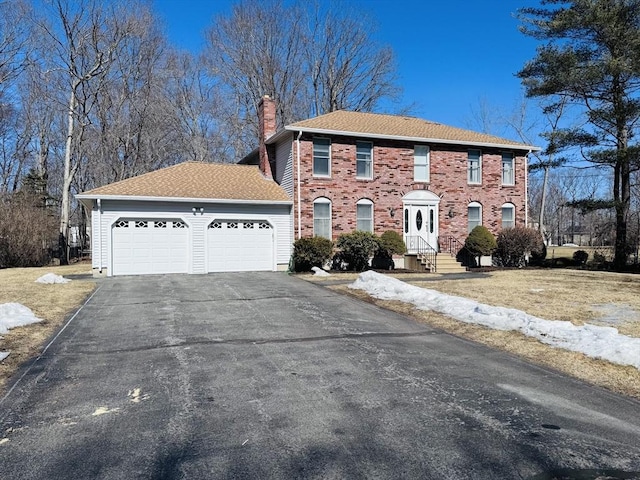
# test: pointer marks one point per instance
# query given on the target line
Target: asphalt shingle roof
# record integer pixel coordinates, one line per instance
(382, 125)
(197, 180)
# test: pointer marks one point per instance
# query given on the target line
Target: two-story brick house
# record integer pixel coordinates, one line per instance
(431, 182)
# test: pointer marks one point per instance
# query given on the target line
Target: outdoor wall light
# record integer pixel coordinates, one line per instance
(392, 212)
(197, 209)
(451, 213)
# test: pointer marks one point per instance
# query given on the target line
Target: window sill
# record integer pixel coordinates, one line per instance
(366, 179)
(321, 176)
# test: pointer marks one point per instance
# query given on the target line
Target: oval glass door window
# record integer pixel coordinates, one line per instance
(419, 220)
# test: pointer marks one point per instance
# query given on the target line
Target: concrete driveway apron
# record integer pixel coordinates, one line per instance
(262, 375)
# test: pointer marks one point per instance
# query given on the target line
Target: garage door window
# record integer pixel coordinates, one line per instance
(122, 224)
(159, 224)
(141, 224)
(179, 225)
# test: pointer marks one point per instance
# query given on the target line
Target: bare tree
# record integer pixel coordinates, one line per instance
(309, 60)
(81, 40)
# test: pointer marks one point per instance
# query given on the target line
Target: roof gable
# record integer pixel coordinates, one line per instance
(376, 125)
(196, 180)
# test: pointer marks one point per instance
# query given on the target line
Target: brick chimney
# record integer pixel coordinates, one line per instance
(267, 126)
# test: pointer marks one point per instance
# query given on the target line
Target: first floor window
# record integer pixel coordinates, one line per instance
(474, 215)
(364, 215)
(421, 163)
(474, 170)
(508, 177)
(322, 218)
(364, 159)
(508, 215)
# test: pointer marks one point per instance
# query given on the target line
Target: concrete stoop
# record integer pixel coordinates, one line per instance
(447, 264)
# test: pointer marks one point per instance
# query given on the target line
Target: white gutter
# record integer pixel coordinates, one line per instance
(526, 189)
(298, 184)
(512, 146)
(183, 200)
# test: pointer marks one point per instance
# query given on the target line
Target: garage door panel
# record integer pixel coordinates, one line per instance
(246, 245)
(150, 246)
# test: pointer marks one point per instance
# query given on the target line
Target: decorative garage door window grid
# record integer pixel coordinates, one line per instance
(235, 224)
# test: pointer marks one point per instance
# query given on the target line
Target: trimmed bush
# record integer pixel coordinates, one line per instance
(580, 257)
(355, 250)
(515, 244)
(390, 243)
(311, 252)
(480, 242)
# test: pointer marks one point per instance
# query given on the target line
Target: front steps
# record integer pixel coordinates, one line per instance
(445, 263)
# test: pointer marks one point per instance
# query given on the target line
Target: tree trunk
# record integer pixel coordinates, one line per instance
(543, 201)
(65, 208)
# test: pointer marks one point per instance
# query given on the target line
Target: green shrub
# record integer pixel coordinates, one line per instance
(355, 250)
(580, 257)
(515, 244)
(311, 252)
(390, 243)
(480, 242)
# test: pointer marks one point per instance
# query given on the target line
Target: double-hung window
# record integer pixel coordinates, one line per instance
(508, 177)
(322, 218)
(421, 163)
(474, 169)
(321, 157)
(364, 160)
(474, 215)
(508, 216)
(364, 215)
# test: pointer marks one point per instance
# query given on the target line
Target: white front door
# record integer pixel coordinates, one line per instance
(420, 226)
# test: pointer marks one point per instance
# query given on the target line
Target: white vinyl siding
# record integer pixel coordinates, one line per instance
(474, 167)
(322, 218)
(474, 215)
(508, 170)
(364, 160)
(321, 157)
(421, 163)
(284, 165)
(364, 215)
(508, 215)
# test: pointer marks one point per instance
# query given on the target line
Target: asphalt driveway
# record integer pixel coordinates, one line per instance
(263, 375)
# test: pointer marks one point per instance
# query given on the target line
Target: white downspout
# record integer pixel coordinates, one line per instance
(298, 198)
(98, 201)
(526, 189)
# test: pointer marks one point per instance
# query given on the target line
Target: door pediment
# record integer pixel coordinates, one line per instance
(421, 197)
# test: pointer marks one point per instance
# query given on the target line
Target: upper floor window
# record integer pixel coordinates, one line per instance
(321, 157)
(474, 215)
(474, 168)
(364, 215)
(364, 160)
(322, 217)
(421, 163)
(508, 215)
(508, 170)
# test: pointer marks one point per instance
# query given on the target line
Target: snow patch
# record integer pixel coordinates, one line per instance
(15, 315)
(51, 278)
(594, 341)
(318, 272)
(4, 355)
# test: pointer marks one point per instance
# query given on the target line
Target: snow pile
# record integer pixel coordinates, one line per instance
(594, 341)
(52, 278)
(318, 272)
(14, 315)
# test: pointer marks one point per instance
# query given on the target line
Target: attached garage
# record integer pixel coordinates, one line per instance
(190, 218)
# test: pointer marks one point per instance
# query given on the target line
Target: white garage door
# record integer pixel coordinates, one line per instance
(145, 246)
(240, 246)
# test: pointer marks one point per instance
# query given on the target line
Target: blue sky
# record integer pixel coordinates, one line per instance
(451, 54)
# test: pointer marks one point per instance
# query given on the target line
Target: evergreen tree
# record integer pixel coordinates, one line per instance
(591, 59)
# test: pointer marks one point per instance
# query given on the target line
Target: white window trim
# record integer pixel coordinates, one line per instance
(365, 201)
(313, 163)
(428, 156)
(371, 160)
(512, 207)
(323, 200)
(473, 204)
(513, 169)
(479, 182)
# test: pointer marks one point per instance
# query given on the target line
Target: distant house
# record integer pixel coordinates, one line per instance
(433, 183)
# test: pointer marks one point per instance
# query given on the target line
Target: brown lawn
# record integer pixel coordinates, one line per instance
(577, 296)
(53, 303)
